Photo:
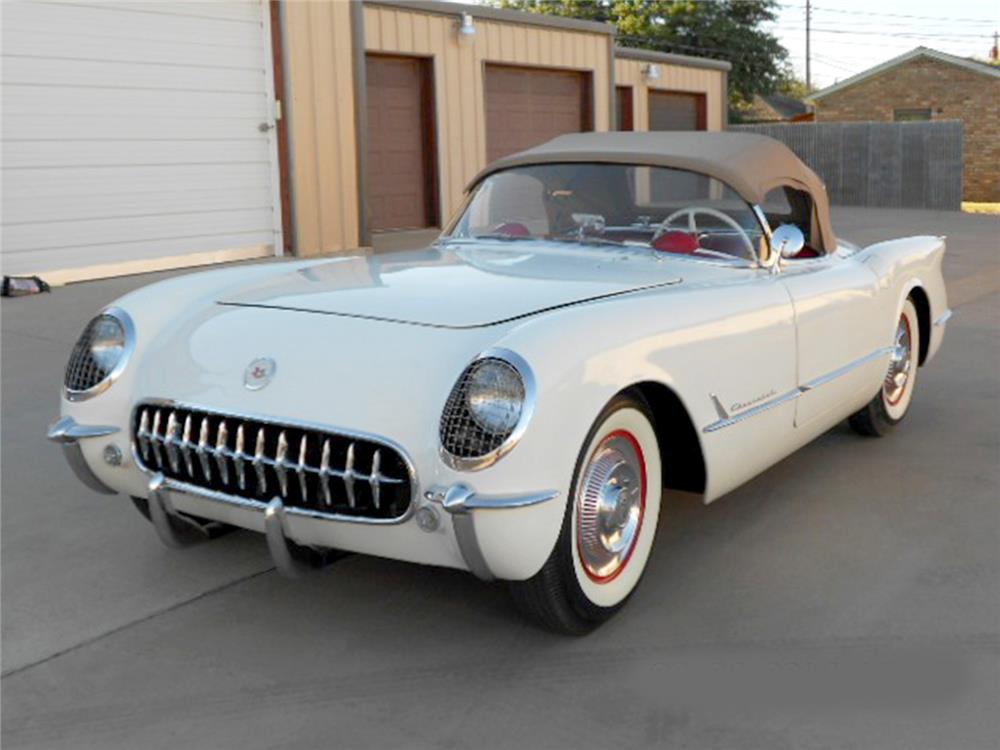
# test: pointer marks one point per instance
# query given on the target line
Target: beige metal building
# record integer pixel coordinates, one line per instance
(389, 122)
(141, 136)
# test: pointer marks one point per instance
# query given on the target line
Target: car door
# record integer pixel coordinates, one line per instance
(838, 335)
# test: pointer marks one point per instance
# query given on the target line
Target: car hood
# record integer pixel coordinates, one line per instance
(457, 285)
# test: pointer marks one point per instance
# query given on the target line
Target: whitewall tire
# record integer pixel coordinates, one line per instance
(895, 395)
(609, 525)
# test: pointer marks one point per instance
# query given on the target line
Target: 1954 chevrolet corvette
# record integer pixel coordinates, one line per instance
(608, 315)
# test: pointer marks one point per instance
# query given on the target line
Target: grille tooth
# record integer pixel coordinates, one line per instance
(280, 466)
(258, 463)
(186, 446)
(349, 475)
(142, 435)
(373, 479)
(173, 438)
(241, 477)
(203, 449)
(303, 449)
(155, 435)
(271, 453)
(221, 439)
(324, 473)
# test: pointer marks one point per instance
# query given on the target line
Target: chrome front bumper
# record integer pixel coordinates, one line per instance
(461, 502)
(178, 529)
(68, 434)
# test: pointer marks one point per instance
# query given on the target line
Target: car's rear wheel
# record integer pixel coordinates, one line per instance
(892, 402)
(608, 528)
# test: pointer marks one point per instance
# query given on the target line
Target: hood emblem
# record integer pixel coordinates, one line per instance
(259, 373)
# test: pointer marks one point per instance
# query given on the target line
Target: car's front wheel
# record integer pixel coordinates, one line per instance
(608, 528)
(892, 401)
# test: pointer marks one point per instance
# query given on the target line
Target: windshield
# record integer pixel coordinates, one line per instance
(668, 210)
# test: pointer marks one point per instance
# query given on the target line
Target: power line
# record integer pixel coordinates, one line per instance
(891, 15)
(915, 34)
(823, 61)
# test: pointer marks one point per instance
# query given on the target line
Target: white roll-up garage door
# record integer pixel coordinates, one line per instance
(136, 136)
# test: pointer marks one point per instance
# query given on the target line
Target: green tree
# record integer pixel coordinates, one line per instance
(723, 29)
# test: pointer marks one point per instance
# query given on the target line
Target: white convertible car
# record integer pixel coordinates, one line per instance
(609, 314)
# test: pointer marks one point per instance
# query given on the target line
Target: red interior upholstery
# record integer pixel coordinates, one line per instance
(676, 241)
(730, 244)
(805, 252)
(512, 229)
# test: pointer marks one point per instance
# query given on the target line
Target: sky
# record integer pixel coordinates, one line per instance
(849, 36)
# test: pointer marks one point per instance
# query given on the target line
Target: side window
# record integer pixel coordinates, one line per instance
(786, 205)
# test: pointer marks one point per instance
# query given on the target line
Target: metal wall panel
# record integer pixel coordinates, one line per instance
(132, 138)
(320, 88)
(459, 76)
(885, 164)
(672, 78)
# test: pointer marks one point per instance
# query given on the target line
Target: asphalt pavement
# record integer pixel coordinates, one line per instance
(847, 598)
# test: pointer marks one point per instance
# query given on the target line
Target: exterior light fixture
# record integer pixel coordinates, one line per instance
(651, 72)
(466, 28)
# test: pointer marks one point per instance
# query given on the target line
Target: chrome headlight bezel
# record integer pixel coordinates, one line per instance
(456, 398)
(123, 319)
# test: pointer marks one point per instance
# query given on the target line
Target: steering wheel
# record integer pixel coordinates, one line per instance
(690, 212)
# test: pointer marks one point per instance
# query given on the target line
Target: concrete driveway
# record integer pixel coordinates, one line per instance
(847, 598)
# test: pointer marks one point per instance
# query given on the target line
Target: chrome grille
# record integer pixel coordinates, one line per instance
(461, 435)
(82, 371)
(258, 459)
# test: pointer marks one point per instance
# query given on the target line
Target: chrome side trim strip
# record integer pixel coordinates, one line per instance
(840, 371)
(754, 411)
(459, 500)
(790, 395)
(944, 318)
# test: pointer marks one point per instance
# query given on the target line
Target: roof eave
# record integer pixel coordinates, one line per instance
(503, 15)
(671, 58)
(899, 60)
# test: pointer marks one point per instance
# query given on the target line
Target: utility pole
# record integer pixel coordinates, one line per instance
(808, 62)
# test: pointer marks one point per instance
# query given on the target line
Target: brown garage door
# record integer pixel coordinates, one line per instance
(400, 150)
(672, 110)
(528, 106)
(623, 102)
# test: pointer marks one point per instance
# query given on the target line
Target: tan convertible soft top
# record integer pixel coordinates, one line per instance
(751, 164)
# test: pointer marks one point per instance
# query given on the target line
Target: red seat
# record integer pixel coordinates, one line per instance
(512, 229)
(805, 252)
(676, 241)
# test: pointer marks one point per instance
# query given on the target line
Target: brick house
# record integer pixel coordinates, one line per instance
(924, 84)
(777, 108)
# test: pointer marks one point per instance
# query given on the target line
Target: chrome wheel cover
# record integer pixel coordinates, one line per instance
(611, 501)
(898, 375)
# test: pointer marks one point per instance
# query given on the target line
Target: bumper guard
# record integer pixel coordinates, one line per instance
(461, 501)
(68, 434)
